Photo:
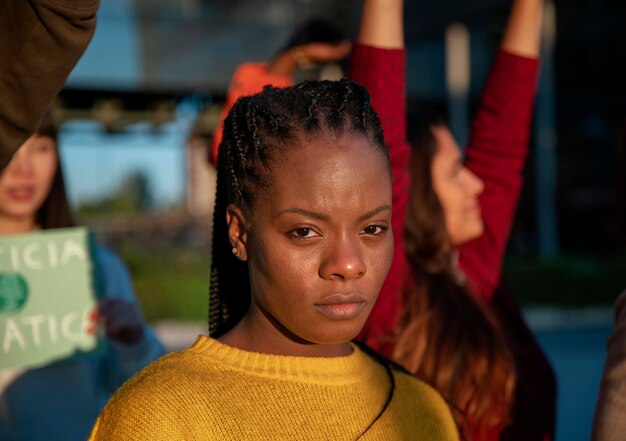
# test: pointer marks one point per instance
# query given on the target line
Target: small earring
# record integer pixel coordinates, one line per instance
(235, 251)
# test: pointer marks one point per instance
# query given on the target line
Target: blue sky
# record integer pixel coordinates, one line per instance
(113, 57)
(94, 162)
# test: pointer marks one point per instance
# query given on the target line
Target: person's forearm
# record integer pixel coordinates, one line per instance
(40, 42)
(381, 24)
(523, 31)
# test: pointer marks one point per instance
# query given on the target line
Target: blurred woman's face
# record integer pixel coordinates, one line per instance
(457, 189)
(319, 246)
(26, 180)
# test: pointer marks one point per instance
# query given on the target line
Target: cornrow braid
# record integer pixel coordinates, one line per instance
(258, 129)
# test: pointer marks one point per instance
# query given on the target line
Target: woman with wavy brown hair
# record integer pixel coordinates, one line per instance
(440, 313)
(447, 334)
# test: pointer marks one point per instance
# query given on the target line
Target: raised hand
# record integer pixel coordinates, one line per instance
(121, 319)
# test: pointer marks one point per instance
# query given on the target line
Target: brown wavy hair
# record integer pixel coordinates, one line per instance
(446, 336)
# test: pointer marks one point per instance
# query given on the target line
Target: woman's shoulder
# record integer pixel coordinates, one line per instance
(425, 405)
(164, 373)
(413, 388)
(156, 399)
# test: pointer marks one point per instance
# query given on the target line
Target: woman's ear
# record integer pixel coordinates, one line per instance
(237, 231)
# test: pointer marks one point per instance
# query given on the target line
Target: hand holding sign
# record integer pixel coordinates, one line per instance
(121, 319)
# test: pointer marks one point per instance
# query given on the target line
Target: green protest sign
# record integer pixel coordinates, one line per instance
(47, 296)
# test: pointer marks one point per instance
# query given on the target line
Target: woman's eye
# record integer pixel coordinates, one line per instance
(374, 230)
(43, 147)
(304, 233)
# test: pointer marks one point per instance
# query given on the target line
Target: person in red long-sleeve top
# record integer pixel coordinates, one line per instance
(439, 312)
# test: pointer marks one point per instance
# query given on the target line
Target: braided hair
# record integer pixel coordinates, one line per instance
(257, 130)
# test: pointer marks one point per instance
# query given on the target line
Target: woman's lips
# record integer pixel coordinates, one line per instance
(21, 194)
(341, 306)
(474, 210)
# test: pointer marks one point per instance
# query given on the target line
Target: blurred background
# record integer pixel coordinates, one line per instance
(140, 108)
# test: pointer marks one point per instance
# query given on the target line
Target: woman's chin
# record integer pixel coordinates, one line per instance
(337, 336)
(468, 234)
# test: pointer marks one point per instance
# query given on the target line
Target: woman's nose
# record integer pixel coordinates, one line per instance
(475, 183)
(343, 260)
(21, 162)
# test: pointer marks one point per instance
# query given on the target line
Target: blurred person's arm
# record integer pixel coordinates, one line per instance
(379, 63)
(382, 24)
(132, 343)
(250, 78)
(610, 419)
(498, 144)
(40, 43)
(523, 30)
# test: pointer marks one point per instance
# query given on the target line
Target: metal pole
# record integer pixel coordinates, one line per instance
(458, 80)
(546, 143)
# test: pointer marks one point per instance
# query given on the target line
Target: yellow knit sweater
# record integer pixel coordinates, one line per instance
(212, 391)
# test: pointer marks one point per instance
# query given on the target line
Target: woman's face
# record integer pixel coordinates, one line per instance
(26, 180)
(320, 244)
(457, 189)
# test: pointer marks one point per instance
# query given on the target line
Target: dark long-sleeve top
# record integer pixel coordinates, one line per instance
(40, 42)
(496, 153)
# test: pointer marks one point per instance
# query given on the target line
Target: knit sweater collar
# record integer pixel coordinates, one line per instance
(332, 370)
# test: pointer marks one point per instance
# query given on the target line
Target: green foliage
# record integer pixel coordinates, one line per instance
(170, 283)
(133, 196)
(568, 281)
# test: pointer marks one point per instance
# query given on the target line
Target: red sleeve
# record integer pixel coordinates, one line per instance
(383, 73)
(496, 153)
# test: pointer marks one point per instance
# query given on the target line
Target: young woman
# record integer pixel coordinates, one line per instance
(301, 247)
(438, 313)
(63, 399)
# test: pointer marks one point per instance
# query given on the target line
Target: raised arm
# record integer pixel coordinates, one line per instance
(499, 143)
(381, 24)
(523, 31)
(379, 63)
(40, 42)
(609, 421)
(317, 41)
